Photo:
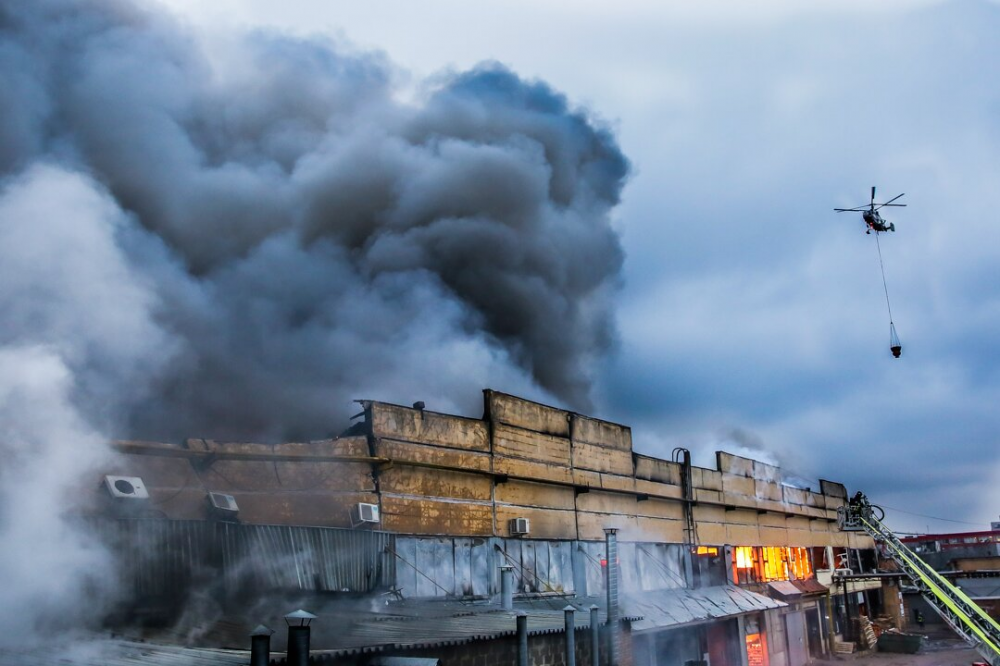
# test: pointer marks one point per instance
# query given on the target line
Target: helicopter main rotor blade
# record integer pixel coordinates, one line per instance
(889, 202)
(852, 210)
(873, 196)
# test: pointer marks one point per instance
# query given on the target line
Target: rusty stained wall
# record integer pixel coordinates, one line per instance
(312, 484)
(437, 474)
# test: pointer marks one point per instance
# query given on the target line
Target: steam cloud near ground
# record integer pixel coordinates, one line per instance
(236, 245)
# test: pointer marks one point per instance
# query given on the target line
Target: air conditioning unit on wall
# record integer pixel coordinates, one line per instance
(365, 513)
(519, 526)
(223, 506)
(126, 487)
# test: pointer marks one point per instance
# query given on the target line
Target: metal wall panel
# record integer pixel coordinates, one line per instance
(162, 561)
(307, 558)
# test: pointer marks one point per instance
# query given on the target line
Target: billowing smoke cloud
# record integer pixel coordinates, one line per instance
(298, 234)
(77, 327)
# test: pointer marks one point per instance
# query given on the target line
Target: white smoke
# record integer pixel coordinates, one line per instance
(237, 246)
(77, 327)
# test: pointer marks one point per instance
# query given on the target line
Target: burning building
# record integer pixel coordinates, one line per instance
(398, 535)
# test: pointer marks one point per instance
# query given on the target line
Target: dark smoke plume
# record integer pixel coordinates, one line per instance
(280, 233)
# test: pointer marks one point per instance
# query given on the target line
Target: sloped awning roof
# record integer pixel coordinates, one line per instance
(785, 588)
(674, 608)
(811, 586)
(796, 589)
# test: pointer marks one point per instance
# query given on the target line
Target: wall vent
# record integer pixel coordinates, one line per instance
(519, 526)
(126, 487)
(365, 513)
(223, 505)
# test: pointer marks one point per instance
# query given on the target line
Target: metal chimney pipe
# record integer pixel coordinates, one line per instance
(260, 646)
(298, 637)
(507, 587)
(614, 636)
(298, 646)
(570, 636)
(522, 639)
(595, 636)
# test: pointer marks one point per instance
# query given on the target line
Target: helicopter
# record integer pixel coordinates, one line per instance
(876, 223)
(873, 220)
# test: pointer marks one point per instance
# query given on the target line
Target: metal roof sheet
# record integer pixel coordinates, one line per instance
(112, 652)
(785, 588)
(673, 608)
(375, 635)
(980, 588)
(810, 586)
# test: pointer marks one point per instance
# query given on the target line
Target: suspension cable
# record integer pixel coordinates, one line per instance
(884, 287)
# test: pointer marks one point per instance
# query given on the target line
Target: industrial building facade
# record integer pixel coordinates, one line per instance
(418, 510)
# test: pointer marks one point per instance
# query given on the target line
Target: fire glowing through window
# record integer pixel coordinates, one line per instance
(756, 564)
(756, 655)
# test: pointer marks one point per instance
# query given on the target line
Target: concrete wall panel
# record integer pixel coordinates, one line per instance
(601, 458)
(660, 530)
(654, 469)
(408, 515)
(521, 413)
(432, 455)
(530, 445)
(654, 489)
(737, 485)
(743, 535)
(595, 431)
(418, 481)
(544, 523)
(526, 493)
(590, 526)
(395, 422)
(599, 502)
(729, 464)
(706, 478)
(534, 471)
(766, 490)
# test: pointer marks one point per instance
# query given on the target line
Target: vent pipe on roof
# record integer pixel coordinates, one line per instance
(595, 637)
(570, 635)
(260, 646)
(298, 637)
(614, 637)
(522, 639)
(507, 587)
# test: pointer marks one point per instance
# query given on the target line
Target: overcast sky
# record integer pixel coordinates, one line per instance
(750, 317)
(751, 314)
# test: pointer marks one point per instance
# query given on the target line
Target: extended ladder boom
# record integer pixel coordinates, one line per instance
(956, 608)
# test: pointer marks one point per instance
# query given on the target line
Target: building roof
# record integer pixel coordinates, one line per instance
(980, 588)
(674, 608)
(116, 652)
(794, 589)
(436, 630)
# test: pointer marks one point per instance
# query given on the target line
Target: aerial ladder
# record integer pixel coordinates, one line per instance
(960, 612)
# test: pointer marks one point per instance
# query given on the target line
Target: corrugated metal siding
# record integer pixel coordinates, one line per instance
(443, 567)
(307, 558)
(674, 608)
(162, 560)
(540, 566)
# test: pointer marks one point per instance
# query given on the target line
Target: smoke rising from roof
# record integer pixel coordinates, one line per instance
(295, 235)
